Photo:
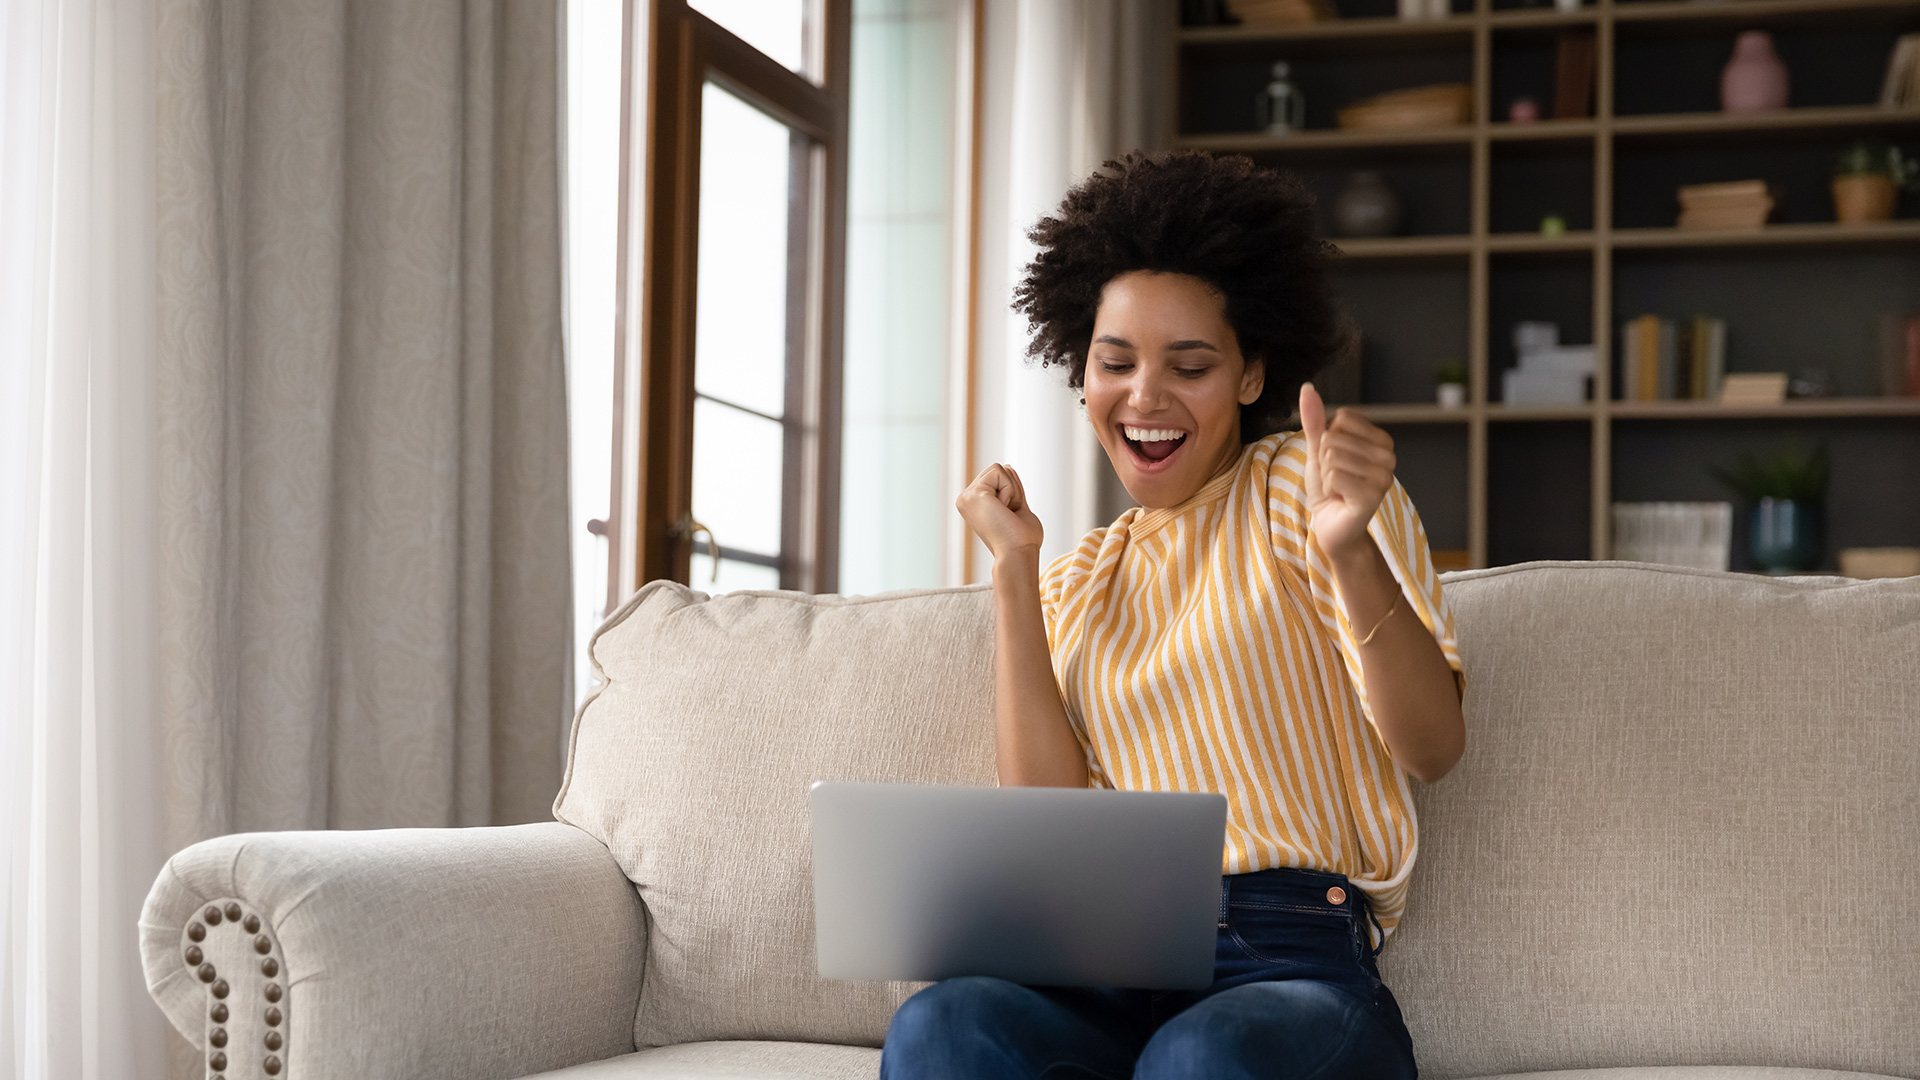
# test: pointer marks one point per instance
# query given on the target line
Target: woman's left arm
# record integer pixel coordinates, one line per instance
(1411, 690)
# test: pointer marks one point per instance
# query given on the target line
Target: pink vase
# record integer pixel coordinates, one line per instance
(1754, 80)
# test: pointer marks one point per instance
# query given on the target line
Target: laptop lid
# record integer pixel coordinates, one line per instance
(1042, 886)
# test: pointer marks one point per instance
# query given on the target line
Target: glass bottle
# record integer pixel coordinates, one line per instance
(1280, 110)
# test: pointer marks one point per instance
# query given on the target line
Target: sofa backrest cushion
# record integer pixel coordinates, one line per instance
(1686, 830)
(692, 764)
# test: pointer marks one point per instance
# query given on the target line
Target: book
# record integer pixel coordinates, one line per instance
(1573, 75)
(1900, 89)
(1756, 388)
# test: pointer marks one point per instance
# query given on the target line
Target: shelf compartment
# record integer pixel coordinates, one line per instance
(1532, 180)
(1535, 286)
(1831, 62)
(1786, 310)
(1218, 96)
(1647, 175)
(1873, 494)
(1539, 492)
(1412, 318)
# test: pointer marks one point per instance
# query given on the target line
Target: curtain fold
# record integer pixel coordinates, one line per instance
(1069, 84)
(362, 468)
(79, 804)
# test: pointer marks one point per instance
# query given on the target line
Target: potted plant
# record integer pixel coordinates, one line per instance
(1868, 179)
(1450, 380)
(1786, 492)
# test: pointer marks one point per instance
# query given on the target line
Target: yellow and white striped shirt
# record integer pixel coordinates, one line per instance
(1204, 647)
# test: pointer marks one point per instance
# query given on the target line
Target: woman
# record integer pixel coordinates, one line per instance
(1266, 624)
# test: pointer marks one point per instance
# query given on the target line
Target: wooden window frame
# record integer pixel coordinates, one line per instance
(650, 528)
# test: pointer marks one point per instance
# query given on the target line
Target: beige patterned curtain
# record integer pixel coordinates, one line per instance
(362, 474)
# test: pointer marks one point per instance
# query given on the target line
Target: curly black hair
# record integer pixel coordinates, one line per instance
(1246, 231)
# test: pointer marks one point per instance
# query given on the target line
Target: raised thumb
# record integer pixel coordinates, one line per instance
(1313, 418)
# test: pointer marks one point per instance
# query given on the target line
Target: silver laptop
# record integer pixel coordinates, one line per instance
(1043, 886)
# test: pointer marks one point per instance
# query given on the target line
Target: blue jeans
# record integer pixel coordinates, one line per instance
(1295, 995)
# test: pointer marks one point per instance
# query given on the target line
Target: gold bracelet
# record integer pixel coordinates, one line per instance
(1391, 608)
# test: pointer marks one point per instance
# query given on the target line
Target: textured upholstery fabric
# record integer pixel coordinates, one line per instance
(692, 764)
(745, 1061)
(1684, 832)
(415, 954)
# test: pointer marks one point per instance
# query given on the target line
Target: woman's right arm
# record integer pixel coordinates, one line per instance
(1034, 745)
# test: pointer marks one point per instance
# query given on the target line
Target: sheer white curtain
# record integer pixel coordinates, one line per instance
(79, 806)
(1069, 84)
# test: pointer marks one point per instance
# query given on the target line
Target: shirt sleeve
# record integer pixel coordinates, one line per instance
(1402, 540)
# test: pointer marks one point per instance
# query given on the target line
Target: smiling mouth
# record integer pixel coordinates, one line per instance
(1152, 445)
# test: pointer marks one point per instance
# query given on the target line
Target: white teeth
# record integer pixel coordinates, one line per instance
(1141, 434)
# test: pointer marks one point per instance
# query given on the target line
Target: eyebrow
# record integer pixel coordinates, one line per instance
(1183, 345)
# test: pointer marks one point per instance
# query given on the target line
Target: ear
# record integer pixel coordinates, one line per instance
(1253, 380)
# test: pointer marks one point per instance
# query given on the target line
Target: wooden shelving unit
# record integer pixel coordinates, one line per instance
(1507, 482)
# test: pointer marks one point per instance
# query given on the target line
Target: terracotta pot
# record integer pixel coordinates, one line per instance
(1754, 80)
(1858, 199)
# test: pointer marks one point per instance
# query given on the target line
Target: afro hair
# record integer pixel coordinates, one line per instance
(1246, 231)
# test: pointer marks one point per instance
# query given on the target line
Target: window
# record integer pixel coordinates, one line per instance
(733, 245)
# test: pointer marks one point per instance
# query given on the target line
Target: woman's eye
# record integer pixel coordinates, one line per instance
(1191, 372)
(1114, 366)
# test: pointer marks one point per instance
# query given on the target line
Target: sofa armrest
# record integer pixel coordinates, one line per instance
(411, 954)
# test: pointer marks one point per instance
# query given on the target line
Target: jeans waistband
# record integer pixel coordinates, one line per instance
(1300, 890)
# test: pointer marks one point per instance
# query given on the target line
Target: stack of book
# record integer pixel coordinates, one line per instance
(1664, 361)
(1741, 204)
(1548, 373)
(1699, 535)
(1901, 88)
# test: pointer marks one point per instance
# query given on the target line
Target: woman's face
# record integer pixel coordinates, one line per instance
(1165, 381)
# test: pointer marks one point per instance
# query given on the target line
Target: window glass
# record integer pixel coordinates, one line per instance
(775, 27)
(740, 329)
(894, 503)
(736, 477)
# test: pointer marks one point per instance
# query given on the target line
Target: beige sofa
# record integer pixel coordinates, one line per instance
(1684, 843)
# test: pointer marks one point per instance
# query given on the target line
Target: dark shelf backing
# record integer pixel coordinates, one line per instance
(1534, 179)
(1539, 491)
(1433, 469)
(1413, 317)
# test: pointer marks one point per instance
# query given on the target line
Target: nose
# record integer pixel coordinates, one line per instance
(1146, 390)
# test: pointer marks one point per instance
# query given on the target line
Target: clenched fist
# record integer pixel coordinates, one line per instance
(1350, 467)
(995, 507)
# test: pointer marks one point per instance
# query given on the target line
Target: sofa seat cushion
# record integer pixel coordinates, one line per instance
(1691, 1072)
(769, 1061)
(692, 762)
